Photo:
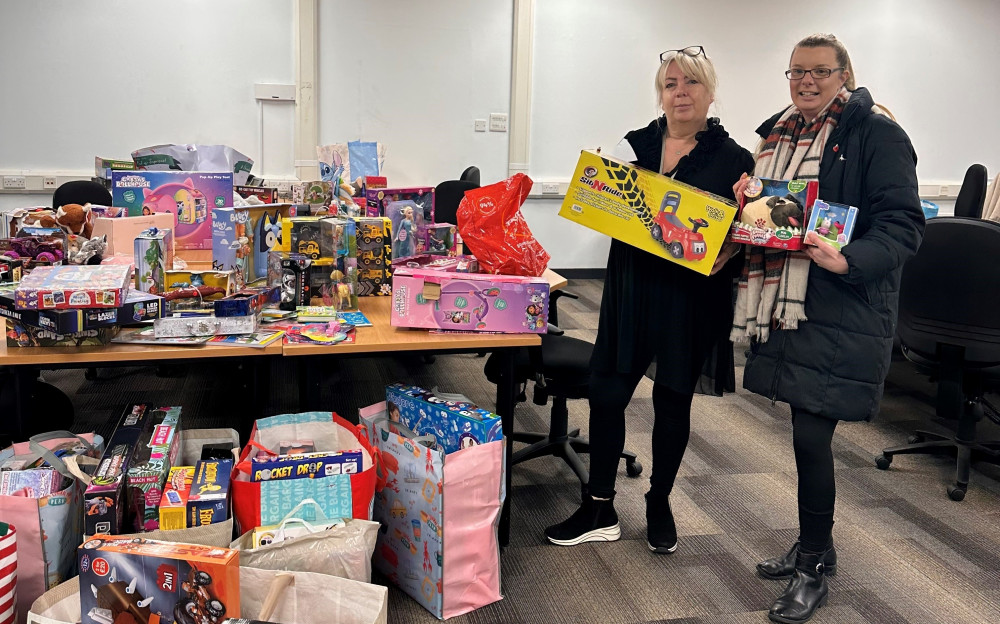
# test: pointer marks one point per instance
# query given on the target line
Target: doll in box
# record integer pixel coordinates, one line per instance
(405, 241)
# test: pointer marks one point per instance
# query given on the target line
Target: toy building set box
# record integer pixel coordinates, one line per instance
(140, 581)
(190, 196)
(653, 212)
(374, 244)
(73, 286)
(773, 213)
(469, 301)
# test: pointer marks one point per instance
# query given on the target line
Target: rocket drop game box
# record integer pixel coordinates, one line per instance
(140, 581)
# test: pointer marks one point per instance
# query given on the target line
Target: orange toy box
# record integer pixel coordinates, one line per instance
(774, 213)
(152, 582)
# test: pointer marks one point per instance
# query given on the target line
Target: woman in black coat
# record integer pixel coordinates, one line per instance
(833, 365)
(655, 310)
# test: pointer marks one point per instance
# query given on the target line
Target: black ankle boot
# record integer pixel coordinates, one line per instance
(806, 592)
(595, 521)
(780, 568)
(661, 532)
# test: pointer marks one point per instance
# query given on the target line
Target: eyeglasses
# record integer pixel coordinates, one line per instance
(818, 73)
(688, 51)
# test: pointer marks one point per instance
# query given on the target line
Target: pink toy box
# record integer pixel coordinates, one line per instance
(509, 304)
(73, 286)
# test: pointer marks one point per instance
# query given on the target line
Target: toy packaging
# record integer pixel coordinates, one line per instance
(10, 269)
(21, 335)
(138, 307)
(290, 273)
(122, 231)
(140, 581)
(263, 194)
(208, 501)
(407, 227)
(232, 243)
(455, 424)
(104, 166)
(173, 502)
(306, 465)
(374, 251)
(470, 302)
(274, 533)
(37, 483)
(196, 290)
(48, 248)
(183, 324)
(302, 235)
(653, 212)
(441, 239)
(773, 213)
(154, 254)
(156, 453)
(104, 499)
(247, 302)
(266, 234)
(190, 196)
(315, 193)
(450, 264)
(833, 222)
(73, 286)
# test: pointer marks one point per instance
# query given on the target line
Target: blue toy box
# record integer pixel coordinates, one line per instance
(208, 502)
(455, 424)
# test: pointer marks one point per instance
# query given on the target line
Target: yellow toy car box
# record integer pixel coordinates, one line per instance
(655, 213)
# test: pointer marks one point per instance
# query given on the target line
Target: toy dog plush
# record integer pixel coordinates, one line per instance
(773, 212)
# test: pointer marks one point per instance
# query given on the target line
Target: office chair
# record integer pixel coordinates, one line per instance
(972, 195)
(447, 196)
(949, 328)
(471, 174)
(560, 368)
(81, 192)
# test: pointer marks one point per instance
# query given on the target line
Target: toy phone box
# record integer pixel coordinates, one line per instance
(122, 231)
(469, 301)
(154, 455)
(833, 222)
(374, 245)
(455, 424)
(305, 465)
(146, 581)
(441, 239)
(154, 254)
(173, 502)
(774, 213)
(189, 196)
(655, 213)
(208, 501)
(21, 335)
(73, 286)
(104, 499)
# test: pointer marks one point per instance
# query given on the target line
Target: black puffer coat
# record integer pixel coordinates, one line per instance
(835, 363)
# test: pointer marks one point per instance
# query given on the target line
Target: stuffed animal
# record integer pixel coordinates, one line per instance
(91, 251)
(37, 218)
(773, 212)
(75, 219)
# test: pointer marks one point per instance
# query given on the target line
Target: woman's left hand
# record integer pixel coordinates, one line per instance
(825, 255)
(729, 249)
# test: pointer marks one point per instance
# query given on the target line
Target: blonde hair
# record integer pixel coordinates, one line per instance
(698, 67)
(821, 40)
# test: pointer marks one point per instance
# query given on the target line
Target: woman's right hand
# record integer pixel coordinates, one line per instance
(740, 186)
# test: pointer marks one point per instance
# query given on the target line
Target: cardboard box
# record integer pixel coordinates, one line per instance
(232, 243)
(10, 269)
(197, 290)
(773, 213)
(455, 424)
(264, 194)
(104, 166)
(469, 301)
(374, 244)
(314, 193)
(154, 254)
(305, 465)
(173, 502)
(155, 454)
(450, 264)
(146, 581)
(208, 502)
(73, 286)
(188, 196)
(122, 231)
(834, 223)
(138, 307)
(653, 212)
(104, 499)
(21, 335)
(441, 239)
(248, 302)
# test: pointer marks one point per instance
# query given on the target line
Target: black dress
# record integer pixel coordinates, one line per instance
(655, 310)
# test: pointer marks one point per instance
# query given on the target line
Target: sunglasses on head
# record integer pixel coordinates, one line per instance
(688, 51)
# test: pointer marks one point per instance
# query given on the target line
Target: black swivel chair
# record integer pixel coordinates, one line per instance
(949, 328)
(471, 174)
(81, 192)
(972, 195)
(447, 196)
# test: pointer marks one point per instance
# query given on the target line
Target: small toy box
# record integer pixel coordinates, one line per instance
(773, 213)
(196, 290)
(263, 194)
(208, 502)
(189, 196)
(374, 237)
(833, 222)
(314, 193)
(653, 212)
(121, 232)
(173, 502)
(154, 254)
(469, 301)
(139, 306)
(104, 499)
(142, 581)
(232, 242)
(21, 335)
(73, 286)
(104, 166)
(450, 264)
(441, 239)
(11, 269)
(247, 302)
(156, 453)
(305, 465)
(455, 424)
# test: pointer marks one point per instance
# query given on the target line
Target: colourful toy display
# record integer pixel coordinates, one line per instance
(833, 222)
(189, 195)
(73, 286)
(154, 254)
(455, 424)
(138, 307)
(773, 213)
(650, 211)
(471, 302)
(104, 499)
(155, 453)
(419, 199)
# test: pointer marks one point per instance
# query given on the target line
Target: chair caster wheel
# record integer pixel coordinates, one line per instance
(882, 462)
(90, 374)
(916, 438)
(956, 492)
(633, 468)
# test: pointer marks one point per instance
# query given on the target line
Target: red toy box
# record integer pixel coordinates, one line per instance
(774, 213)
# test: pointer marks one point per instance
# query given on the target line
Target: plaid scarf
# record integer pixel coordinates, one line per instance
(772, 287)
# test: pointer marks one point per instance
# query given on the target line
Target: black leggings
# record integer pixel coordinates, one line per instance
(812, 437)
(610, 395)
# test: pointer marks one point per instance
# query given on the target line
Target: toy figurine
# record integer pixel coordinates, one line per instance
(91, 251)
(405, 241)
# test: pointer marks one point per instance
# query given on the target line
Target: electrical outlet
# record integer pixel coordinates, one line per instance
(498, 122)
(480, 125)
(48, 182)
(14, 182)
(550, 188)
(943, 191)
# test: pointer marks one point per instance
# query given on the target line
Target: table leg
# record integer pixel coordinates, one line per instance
(506, 399)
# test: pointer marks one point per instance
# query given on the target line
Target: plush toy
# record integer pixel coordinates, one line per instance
(76, 219)
(91, 251)
(38, 218)
(773, 212)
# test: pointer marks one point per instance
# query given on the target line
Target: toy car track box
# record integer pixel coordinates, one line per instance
(104, 499)
(189, 196)
(140, 581)
(173, 503)
(154, 254)
(441, 239)
(73, 286)
(305, 465)
(510, 304)
(774, 213)
(208, 501)
(139, 306)
(833, 222)
(156, 453)
(455, 424)
(21, 335)
(122, 231)
(374, 237)
(653, 212)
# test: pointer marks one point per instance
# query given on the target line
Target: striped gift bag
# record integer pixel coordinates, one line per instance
(8, 574)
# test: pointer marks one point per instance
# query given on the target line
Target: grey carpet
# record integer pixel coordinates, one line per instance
(907, 552)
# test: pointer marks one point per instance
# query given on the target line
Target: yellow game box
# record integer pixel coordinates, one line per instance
(655, 213)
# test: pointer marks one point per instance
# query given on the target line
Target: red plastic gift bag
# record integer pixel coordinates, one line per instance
(494, 230)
